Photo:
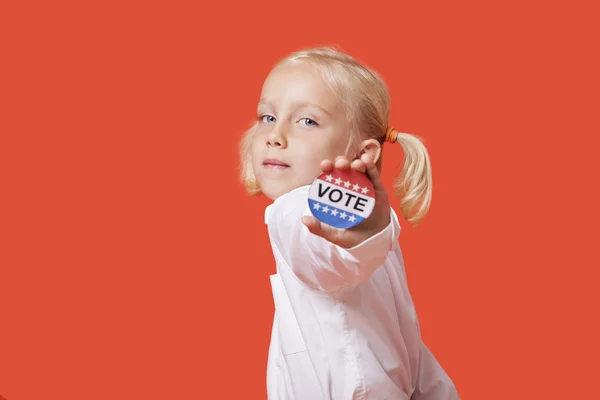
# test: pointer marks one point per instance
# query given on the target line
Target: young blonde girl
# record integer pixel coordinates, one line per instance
(345, 326)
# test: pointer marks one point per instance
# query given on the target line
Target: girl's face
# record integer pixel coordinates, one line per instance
(300, 124)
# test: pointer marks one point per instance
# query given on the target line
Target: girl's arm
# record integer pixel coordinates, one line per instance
(432, 381)
(328, 258)
(316, 261)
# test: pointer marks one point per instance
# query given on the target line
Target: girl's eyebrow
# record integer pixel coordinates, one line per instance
(308, 104)
(298, 104)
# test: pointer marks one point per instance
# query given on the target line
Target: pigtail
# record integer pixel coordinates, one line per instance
(414, 182)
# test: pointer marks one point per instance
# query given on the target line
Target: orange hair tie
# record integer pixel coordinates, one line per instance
(391, 135)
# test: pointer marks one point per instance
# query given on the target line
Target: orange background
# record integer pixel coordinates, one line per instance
(133, 265)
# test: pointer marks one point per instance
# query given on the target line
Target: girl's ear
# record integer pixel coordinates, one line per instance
(372, 147)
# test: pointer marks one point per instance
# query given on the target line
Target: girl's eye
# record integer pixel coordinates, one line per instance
(269, 119)
(308, 122)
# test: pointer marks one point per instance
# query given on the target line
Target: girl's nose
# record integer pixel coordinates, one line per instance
(273, 143)
(276, 139)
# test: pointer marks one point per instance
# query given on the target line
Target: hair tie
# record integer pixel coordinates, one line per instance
(391, 135)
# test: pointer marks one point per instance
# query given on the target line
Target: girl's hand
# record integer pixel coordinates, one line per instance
(375, 223)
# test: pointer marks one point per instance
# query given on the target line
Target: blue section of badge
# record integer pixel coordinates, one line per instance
(333, 216)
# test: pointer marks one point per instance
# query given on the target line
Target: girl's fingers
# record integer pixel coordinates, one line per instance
(372, 171)
(342, 163)
(359, 166)
(326, 165)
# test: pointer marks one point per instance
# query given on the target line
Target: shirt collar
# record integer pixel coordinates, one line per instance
(267, 211)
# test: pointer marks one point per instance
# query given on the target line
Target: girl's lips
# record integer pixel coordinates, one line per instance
(274, 163)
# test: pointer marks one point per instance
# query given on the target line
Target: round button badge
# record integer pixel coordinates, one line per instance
(341, 198)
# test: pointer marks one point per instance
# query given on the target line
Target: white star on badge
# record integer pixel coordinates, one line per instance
(347, 184)
(364, 190)
(356, 187)
(329, 178)
(334, 213)
(316, 206)
(352, 218)
(343, 215)
(338, 181)
(325, 209)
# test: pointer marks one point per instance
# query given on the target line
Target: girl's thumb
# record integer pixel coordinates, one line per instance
(316, 227)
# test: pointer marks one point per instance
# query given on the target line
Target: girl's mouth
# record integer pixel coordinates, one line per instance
(275, 164)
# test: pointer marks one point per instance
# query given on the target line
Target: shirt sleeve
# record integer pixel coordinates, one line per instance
(432, 381)
(317, 262)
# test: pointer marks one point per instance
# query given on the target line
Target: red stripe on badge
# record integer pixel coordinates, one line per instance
(350, 180)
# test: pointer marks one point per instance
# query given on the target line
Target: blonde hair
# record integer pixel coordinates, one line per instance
(365, 96)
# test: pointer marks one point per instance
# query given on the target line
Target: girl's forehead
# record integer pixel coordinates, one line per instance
(296, 72)
(299, 80)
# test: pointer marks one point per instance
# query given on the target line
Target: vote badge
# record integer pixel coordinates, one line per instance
(341, 198)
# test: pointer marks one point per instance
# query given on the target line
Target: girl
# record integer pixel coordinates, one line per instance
(345, 326)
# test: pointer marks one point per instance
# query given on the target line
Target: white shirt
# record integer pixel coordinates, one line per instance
(345, 326)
